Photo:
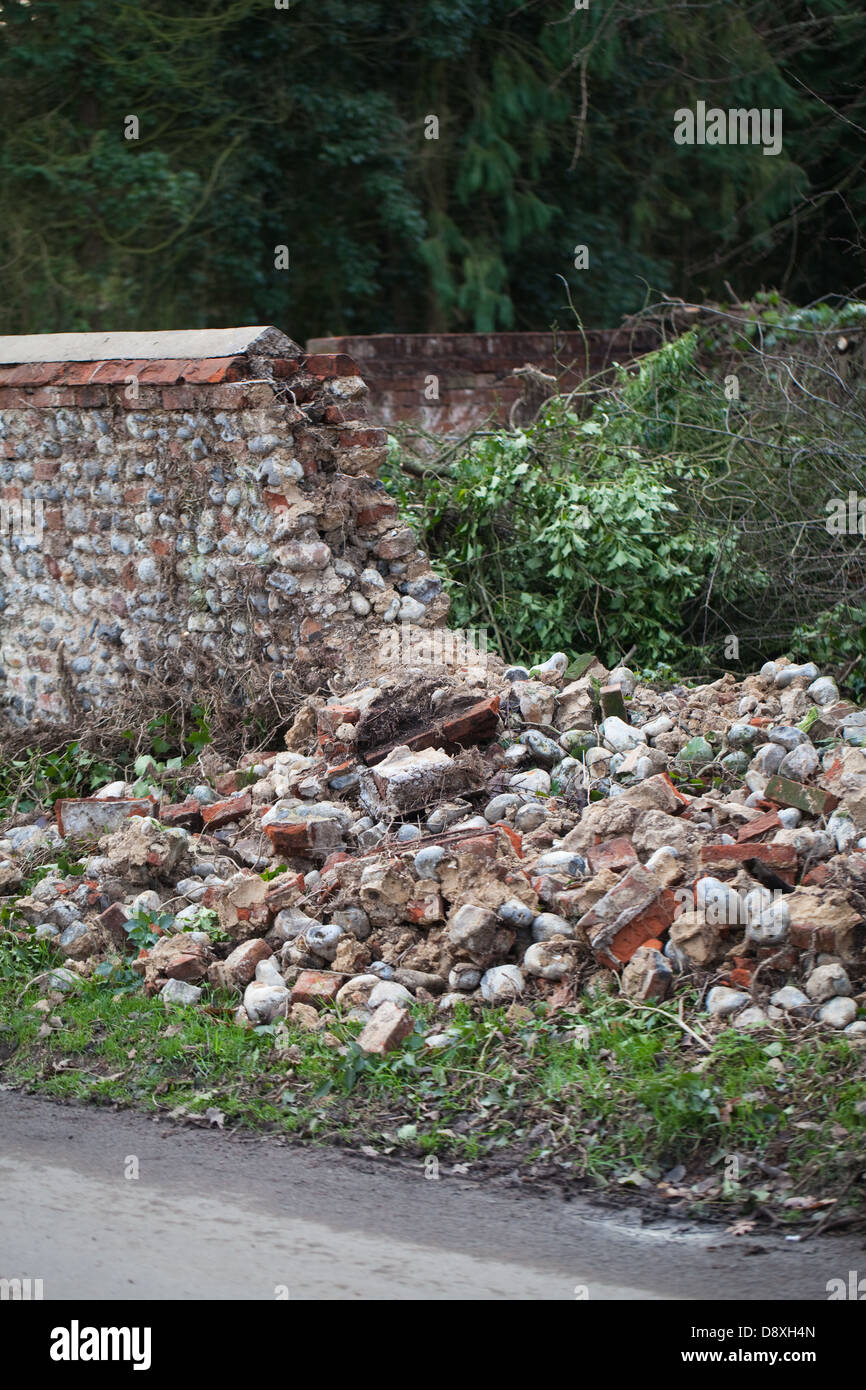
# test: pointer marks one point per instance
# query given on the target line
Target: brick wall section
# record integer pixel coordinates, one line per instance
(473, 370)
(215, 513)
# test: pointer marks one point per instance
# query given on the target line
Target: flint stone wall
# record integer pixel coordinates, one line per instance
(210, 505)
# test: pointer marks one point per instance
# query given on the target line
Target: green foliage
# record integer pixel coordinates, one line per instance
(563, 535)
(36, 777)
(31, 778)
(664, 510)
(262, 127)
(144, 930)
(837, 638)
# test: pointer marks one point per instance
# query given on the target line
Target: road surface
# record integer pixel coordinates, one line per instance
(218, 1216)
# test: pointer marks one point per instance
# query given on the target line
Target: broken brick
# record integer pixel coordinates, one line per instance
(778, 857)
(189, 966)
(613, 854)
(239, 968)
(221, 812)
(184, 813)
(424, 911)
(94, 815)
(316, 987)
(740, 977)
(474, 725)
(330, 717)
(817, 876)
(810, 936)
(513, 836)
(759, 826)
(812, 800)
(284, 891)
(113, 920)
(387, 1028)
(635, 910)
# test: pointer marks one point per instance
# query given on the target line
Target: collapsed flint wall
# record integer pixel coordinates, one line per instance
(210, 511)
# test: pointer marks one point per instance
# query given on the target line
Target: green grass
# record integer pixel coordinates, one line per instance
(605, 1094)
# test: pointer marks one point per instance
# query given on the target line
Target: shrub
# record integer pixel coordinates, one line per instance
(678, 503)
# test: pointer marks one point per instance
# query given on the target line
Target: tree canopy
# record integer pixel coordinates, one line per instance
(307, 127)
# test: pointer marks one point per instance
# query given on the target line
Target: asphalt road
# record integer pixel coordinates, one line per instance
(217, 1216)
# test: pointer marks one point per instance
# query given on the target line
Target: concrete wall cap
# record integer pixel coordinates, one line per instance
(182, 344)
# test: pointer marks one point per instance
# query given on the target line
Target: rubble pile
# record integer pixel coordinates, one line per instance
(491, 835)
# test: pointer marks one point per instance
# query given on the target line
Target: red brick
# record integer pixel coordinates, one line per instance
(113, 373)
(283, 367)
(740, 977)
(759, 826)
(612, 854)
(330, 717)
(180, 398)
(817, 876)
(29, 374)
(363, 438)
(283, 891)
(807, 937)
(338, 857)
(513, 836)
(426, 910)
(631, 913)
(368, 516)
(113, 920)
(213, 369)
(778, 857)
(475, 724)
(325, 365)
(221, 812)
(337, 769)
(277, 501)
(290, 839)
(186, 813)
(190, 967)
(637, 932)
(316, 987)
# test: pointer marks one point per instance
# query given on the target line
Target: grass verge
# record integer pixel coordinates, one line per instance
(604, 1094)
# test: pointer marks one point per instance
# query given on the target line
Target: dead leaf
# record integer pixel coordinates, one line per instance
(809, 1203)
(740, 1228)
(561, 997)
